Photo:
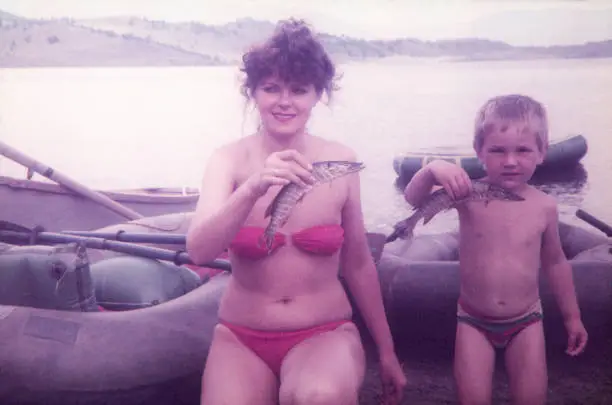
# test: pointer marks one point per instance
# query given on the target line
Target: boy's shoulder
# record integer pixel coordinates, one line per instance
(540, 196)
(542, 200)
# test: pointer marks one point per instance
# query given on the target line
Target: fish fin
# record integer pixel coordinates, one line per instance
(428, 218)
(430, 215)
(299, 200)
(272, 206)
(269, 210)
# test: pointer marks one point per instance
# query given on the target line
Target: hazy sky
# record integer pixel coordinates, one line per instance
(519, 22)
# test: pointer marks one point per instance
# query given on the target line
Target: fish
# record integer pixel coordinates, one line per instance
(291, 194)
(439, 201)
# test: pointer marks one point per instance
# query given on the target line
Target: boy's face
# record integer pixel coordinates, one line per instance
(510, 154)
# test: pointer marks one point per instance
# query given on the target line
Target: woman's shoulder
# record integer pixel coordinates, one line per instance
(334, 150)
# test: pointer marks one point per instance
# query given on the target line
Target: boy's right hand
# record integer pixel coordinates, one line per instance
(282, 168)
(452, 177)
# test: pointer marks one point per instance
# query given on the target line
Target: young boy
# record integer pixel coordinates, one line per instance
(502, 247)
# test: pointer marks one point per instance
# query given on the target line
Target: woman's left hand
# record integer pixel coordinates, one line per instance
(392, 378)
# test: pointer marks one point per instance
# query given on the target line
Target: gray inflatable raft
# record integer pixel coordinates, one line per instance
(421, 293)
(47, 277)
(60, 277)
(148, 356)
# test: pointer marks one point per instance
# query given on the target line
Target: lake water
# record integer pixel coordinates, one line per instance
(141, 127)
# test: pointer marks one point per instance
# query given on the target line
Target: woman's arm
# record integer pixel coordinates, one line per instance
(220, 211)
(359, 271)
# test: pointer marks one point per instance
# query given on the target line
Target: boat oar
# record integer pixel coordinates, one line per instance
(18, 235)
(67, 182)
(591, 220)
(376, 241)
(160, 238)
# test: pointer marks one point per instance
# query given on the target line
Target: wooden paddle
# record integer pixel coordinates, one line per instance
(19, 235)
(135, 237)
(591, 220)
(67, 182)
(376, 241)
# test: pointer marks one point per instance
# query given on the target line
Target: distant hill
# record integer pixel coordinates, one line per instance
(130, 41)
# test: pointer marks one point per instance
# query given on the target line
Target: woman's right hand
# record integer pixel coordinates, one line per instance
(452, 177)
(282, 168)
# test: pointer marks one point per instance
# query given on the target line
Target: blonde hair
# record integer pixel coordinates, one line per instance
(498, 112)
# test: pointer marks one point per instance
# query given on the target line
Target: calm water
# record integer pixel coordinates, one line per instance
(133, 127)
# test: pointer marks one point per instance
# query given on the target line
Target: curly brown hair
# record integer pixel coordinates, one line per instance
(293, 54)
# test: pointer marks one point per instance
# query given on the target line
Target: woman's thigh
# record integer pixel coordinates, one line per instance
(235, 375)
(325, 369)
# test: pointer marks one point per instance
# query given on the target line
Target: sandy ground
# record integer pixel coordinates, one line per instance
(586, 379)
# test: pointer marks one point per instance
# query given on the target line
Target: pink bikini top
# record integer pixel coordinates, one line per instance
(319, 240)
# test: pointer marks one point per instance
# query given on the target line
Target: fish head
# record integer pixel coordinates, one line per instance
(337, 168)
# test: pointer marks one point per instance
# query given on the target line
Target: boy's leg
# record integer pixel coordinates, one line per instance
(473, 365)
(526, 364)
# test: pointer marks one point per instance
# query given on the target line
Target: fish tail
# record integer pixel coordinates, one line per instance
(394, 235)
(404, 229)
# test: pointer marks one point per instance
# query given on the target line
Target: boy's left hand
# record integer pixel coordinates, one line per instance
(576, 337)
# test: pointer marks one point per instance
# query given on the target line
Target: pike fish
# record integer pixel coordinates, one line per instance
(439, 201)
(291, 194)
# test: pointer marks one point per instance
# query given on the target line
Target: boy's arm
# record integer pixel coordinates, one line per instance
(557, 268)
(420, 186)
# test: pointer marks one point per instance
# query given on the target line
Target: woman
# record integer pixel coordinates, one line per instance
(285, 333)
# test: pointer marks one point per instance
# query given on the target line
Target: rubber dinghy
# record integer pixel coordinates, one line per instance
(420, 286)
(62, 277)
(153, 355)
(561, 154)
(47, 277)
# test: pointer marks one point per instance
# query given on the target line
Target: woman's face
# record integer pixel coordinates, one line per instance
(284, 107)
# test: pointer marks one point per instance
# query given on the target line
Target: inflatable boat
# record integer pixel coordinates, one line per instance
(143, 336)
(61, 277)
(152, 345)
(47, 277)
(561, 155)
(59, 346)
(420, 287)
(152, 355)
